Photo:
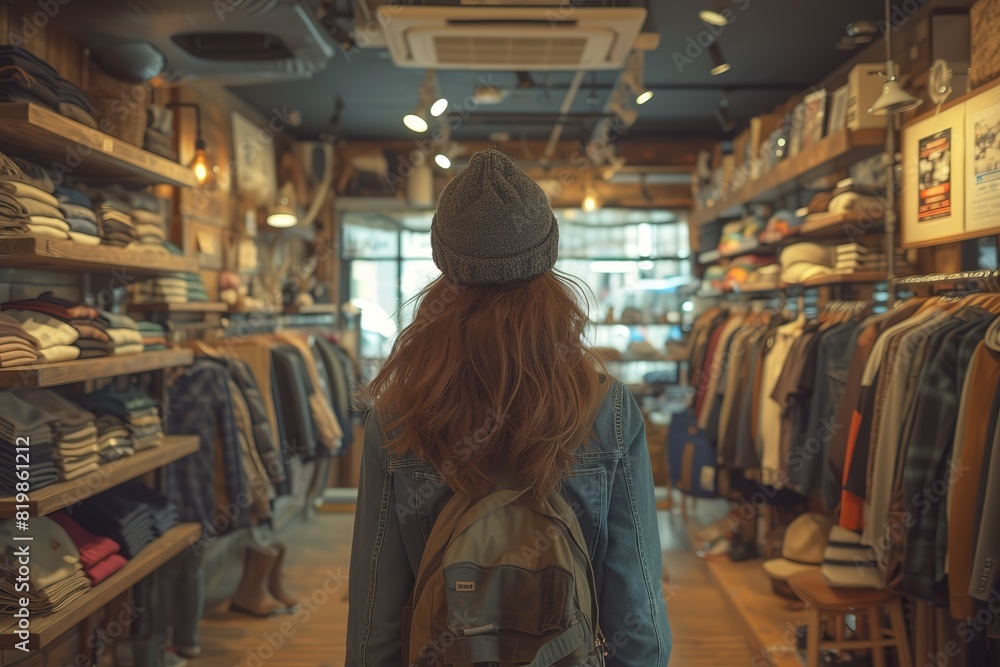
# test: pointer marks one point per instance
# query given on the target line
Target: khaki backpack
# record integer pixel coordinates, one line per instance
(504, 581)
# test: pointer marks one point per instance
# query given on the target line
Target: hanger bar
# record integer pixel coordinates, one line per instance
(982, 280)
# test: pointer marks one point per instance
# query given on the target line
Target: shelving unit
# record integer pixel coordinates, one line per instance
(752, 247)
(58, 255)
(52, 138)
(46, 629)
(832, 153)
(67, 372)
(193, 307)
(63, 494)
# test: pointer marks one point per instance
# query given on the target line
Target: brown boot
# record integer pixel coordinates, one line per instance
(252, 597)
(274, 586)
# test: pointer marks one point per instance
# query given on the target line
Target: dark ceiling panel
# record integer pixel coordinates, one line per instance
(771, 43)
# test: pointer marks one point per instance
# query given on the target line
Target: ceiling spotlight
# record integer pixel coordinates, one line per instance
(893, 99)
(442, 161)
(719, 62)
(439, 107)
(644, 97)
(415, 121)
(715, 17)
(632, 78)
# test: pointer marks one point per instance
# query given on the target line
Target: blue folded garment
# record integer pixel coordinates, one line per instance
(72, 196)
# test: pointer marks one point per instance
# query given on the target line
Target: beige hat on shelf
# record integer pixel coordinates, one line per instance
(802, 549)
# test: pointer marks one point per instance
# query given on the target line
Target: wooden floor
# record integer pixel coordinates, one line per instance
(706, 630)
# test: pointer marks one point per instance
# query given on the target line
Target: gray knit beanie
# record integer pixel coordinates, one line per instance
(493, 225)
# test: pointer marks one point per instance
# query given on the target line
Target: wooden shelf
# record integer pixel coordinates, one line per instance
(752, 247)
(63, 494)
(46, 629)
(845, 278)
(192, 307)
(848, 225)
(57, 255)
(835, 152)
(315, 309)
(52, 138)
(67, 372)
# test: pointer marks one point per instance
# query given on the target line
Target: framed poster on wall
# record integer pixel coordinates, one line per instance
(982, 162)
(933, 177)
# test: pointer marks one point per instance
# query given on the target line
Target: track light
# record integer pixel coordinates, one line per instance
(719, 62)
(644, 97)
(633, 76)
(442, 161)
(439, 107)
(715, 16)
(428, 99)
(893, 99)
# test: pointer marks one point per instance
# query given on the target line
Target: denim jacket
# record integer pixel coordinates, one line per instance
(611, 490)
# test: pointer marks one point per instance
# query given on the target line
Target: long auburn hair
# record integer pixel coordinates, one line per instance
(492, 378)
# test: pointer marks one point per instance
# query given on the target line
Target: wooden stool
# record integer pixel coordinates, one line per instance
(832, 604)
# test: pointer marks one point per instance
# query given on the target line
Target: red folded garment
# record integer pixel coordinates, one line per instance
(105, 568)
(93, 549)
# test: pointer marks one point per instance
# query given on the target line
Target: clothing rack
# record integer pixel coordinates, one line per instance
(981, 281)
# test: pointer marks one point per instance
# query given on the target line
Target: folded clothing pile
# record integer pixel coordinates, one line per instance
(56, 338)
(856, 258)
(114, 438)
(154, 336)
(14, 217)
(132, 525)
(117, 227)
(56, 576)
(17, 346)
(24, 77)
(181, 287)
(165, 513)
(138, 412)
(24, 425)
(74, 430)
(92, 337)
(28, 197)
(78, 210)
(124, 333)
(100, 556)
(160, 131)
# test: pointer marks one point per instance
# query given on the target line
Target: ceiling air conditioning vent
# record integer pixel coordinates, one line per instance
(511, 38)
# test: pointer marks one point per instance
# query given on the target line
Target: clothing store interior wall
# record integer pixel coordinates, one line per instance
(216, 223)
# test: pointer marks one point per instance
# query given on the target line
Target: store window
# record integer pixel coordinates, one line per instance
(632, 264)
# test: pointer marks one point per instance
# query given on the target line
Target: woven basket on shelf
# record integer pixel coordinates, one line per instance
(120, 108)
